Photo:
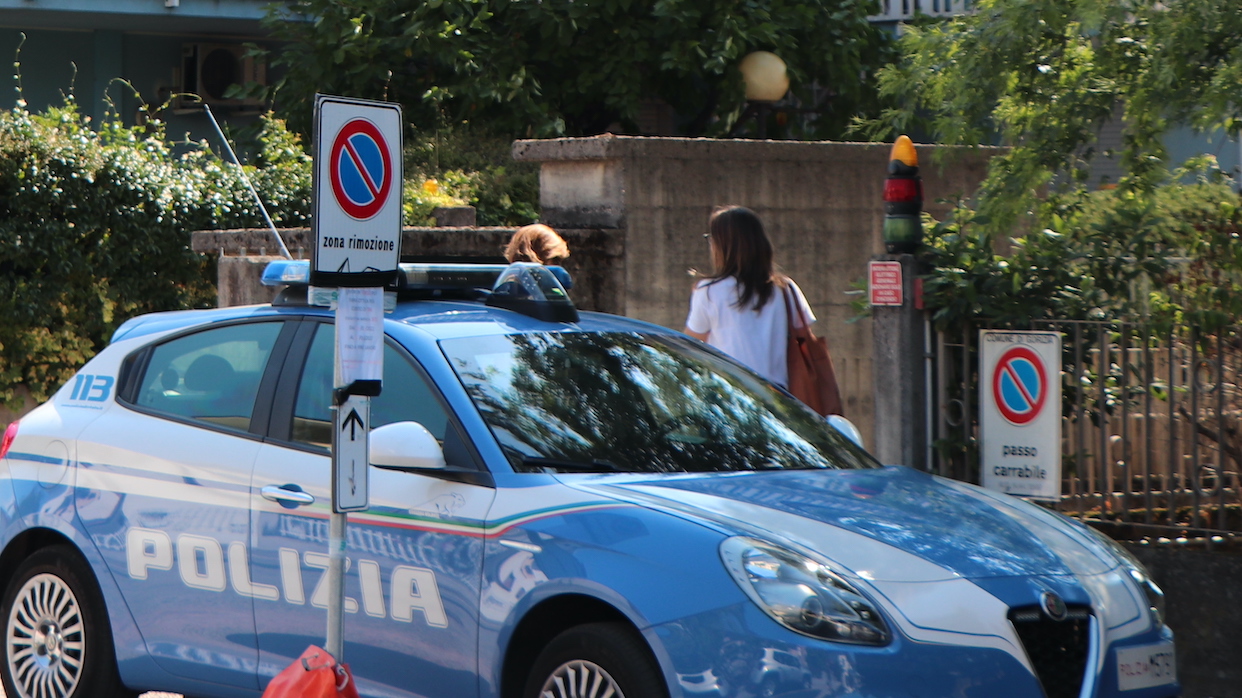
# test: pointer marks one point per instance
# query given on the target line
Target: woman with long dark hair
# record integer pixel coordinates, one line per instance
(741, 308)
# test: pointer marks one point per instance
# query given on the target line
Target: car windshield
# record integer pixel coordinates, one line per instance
(631, 402)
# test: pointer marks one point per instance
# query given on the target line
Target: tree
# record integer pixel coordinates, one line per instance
(1158, 252)
(572, 67)
(1041, 76)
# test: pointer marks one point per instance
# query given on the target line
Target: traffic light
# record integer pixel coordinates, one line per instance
(903, 199)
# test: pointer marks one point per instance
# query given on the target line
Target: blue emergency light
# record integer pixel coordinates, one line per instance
(531, 289)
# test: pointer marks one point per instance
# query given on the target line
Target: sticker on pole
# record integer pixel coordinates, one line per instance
(1020, 412)
(357, 192)
(884, 283)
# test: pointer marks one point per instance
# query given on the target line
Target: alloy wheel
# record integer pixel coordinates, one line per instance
(45, 639)
(580, 679)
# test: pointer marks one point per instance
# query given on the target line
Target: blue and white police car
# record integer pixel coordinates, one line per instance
(607, 508)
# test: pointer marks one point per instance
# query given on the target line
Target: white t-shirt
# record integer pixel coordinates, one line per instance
(757, 338)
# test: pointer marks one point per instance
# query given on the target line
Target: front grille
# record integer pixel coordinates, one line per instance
(1057, 648)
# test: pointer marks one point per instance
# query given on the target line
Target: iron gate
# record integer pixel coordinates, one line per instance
(1150, 421)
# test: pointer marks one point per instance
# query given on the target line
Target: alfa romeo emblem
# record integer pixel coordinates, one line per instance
(1053, 606)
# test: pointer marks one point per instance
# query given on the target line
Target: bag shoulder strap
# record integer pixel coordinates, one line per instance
(791, 303)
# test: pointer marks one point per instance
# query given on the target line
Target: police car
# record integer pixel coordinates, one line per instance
(561, 504)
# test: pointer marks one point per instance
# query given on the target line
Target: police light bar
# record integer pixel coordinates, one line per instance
(530, 289)
(287, 272)
(422, 275)
(534, 290)
(448, 276)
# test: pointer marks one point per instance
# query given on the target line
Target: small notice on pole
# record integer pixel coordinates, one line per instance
(360, 334)
(885, 283)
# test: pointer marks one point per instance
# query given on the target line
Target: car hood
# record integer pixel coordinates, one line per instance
(962, 530)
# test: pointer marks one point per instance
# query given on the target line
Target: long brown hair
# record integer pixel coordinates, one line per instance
(741, 249)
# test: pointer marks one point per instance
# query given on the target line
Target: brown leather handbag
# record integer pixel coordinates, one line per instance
(812, 378)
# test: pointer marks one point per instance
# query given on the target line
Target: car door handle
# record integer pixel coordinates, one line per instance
(283, 495)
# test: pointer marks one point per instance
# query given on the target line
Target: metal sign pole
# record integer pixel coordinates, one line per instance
(359, 366)
(336, 585)
(357, 224)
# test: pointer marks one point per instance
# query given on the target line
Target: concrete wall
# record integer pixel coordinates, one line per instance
(821, 204)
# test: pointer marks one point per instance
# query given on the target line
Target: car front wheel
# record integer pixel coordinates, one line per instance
(57, 641)
(596, 660)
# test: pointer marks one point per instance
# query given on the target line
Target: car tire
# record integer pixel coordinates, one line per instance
(593, 658)
(57, 638)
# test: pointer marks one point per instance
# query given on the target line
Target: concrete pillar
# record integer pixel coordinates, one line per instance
(900, 373)
(238, 281)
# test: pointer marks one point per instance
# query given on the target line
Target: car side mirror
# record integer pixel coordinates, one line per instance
(847, 428)
(405, 446)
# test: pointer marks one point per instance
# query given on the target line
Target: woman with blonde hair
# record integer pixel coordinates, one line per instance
(741, 308)
(536, 243)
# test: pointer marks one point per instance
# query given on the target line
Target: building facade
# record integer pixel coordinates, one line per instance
(161, 48)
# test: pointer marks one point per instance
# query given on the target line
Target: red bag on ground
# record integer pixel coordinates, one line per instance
(812, 378)
(313, 675)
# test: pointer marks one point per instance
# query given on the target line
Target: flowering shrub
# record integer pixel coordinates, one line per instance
(95, 228)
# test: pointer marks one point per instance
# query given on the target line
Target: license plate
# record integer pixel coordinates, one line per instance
(1146, 666)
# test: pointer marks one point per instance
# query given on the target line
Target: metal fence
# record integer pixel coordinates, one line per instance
(1150, 421)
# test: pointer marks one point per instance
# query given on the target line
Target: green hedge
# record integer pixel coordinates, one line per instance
(1170, 256)
(95, 228)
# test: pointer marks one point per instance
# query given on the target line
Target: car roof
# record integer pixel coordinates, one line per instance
(442, 319)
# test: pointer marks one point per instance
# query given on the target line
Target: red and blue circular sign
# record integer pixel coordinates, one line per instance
(1020, 385)
(361, 169)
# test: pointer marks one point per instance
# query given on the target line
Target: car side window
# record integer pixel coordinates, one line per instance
(211, 376)
(406, 397)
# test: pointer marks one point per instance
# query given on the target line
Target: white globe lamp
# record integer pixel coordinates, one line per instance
(764, 74)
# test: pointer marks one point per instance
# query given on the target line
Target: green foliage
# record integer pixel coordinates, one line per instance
(1171, 257)
(474, 166)
(95, 224)
(422, 196)
(571, 67)
(1041, 76)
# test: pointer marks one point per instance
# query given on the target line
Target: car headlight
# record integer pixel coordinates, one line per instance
(802, 594)
(1138, 574)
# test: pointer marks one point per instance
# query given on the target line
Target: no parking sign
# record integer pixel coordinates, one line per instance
(357, 192)
(1020, 412)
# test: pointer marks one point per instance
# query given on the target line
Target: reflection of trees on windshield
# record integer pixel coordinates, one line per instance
(638, 403)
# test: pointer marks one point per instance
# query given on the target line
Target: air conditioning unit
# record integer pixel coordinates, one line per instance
(209, 70)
